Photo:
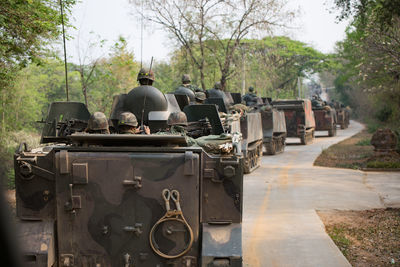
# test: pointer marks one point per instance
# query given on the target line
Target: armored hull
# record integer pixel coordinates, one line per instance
(299, 118)
(274, 131)
(325, 120)
(128, 200)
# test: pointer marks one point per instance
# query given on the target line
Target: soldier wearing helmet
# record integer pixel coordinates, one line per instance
(98, 124)
(144, 99)
(250, 98)
(216, 92)
(127, 124)
(186, 88)
(146, 77)
(199, 97)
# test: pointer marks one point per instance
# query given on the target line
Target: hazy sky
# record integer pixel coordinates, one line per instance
(107, 19)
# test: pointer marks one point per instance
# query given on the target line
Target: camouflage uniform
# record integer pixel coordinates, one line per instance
(177, 122)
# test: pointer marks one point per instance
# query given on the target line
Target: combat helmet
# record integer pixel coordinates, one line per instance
(146, 74)
(200, 96)
(177, 118)
(186, 79)
(127, 118)
(251, 89)
(217, 85)
(97, 122)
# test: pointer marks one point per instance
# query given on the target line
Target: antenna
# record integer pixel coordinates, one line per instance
(141, 39)
(65, 50)
(151, 63)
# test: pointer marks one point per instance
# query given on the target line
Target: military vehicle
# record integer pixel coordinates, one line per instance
(325, 116)
(325, 119)
(343, 117)
(273, 124)
(299, 118)
(274, 130)
(127, 199)
(249, 125)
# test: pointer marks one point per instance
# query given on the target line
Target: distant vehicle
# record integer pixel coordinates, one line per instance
(128, 199)
(250, 126)
(325, 117)
(299, 117)
(273, 124)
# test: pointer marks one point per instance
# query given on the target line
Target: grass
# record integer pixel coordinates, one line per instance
(366, 238)
(356, 153)
(338, 235)
(364, 142)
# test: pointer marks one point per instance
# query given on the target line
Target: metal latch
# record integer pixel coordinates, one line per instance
(136, 182)
(137, 229)
(74, 201)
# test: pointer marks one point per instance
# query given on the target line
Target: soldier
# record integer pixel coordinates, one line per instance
(145, 98)
(250, 98)
(127, 124)
(199, 97)
(177, 121)
(97, 124)
(146, 77)
(186, 88)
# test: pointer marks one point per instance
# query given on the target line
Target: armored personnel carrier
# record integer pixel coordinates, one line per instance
(249, 125)
(127, 199)
(274, 130)
(343, 116)
(299, 117)
(273, 124)
(325, 117)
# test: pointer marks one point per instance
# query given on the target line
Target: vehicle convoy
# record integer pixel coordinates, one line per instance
(129, 199)
(325, 117)
(299, 118)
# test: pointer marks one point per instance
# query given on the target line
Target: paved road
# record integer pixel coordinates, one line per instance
(280, 223)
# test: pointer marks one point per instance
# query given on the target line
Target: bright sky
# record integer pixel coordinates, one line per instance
(112, 18)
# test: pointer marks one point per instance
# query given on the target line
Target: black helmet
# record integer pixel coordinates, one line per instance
(186, 78)
(127, 118)
(146, 74)
(251, 89)
(97, 121)
(177, 118)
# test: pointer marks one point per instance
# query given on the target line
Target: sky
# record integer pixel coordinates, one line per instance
(97, 20)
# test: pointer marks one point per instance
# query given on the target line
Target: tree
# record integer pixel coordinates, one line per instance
(369, 78)
(25, 29)
(214, 24)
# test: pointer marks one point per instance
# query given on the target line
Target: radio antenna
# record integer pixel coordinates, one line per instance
(151, 63)
(65, 50)
(141, 39)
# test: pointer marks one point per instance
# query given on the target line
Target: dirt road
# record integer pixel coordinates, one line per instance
(280, 223)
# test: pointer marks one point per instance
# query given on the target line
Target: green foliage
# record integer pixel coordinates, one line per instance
(25, 29)
(364, 142)
(272, 65)
(368, 77)
(338, 235)
(383, 165)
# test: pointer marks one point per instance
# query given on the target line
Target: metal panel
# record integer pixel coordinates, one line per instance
(116, 218)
